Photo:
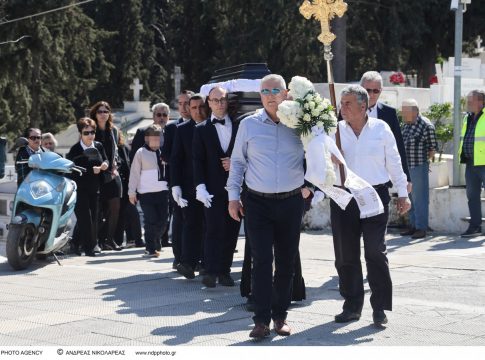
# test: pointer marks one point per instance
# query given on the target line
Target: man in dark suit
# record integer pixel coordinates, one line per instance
(183, 188)
(212, 148)
(175, 212)
(372, 82)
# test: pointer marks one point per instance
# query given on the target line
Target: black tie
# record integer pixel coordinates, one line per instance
(219, 121)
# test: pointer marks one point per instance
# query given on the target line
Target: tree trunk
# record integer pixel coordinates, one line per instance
(35, 91)
(339, 28)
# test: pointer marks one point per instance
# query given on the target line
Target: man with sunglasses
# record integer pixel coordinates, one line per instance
(269, 157)
(34, 138)
(212, 148)
(372, 82)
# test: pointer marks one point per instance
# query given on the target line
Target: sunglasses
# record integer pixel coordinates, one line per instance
(86, 133)
(102, 112)
(375, 91)
(33, 138)
(161, 114)
(274, 91)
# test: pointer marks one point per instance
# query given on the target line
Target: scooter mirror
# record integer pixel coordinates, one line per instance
(21, 141)
(93, 154)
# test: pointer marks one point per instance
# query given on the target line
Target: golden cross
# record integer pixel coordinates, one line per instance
(324, 11)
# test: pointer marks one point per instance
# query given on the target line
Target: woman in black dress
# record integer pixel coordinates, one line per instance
(111, 191)
(88, 185)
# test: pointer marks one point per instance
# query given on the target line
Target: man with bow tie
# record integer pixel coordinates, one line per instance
(212, 148)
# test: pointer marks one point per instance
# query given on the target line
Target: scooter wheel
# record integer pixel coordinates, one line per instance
(21, 246)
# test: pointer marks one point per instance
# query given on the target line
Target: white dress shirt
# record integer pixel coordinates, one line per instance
(224, 132)
(373, 155)
(372, 112)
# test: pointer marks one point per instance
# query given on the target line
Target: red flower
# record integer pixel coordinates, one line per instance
(433, 79)
(397, 78)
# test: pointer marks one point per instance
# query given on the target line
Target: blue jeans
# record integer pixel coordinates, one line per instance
(474, 178)
(419, 213)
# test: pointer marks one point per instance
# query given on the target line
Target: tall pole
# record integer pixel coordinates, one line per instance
(457, 92)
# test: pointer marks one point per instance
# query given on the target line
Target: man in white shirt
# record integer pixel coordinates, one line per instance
(370, 150)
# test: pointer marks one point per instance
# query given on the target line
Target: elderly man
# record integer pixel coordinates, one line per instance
(371, 81)
(472, 153)
(212, 148)
(183, 188)
(420, 143)
(370, 150)
(269, 156)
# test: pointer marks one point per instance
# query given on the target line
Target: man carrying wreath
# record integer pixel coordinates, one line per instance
(269, 156)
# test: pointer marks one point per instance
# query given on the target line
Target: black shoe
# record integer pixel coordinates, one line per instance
(166, 244)
(347, 316)
(186, 271)
(174, 264)
(379, 317)
(97, 249)
(408, 232)
(139, 243)
(209, 281)
(472, 232)
(114, 246)
(419, 234)
(90, 253)
(75, 249)
(226, 280)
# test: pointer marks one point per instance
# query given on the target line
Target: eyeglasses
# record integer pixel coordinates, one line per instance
(274, 91)
(86, 133)
(375, 91)
(218, 101)
(161, 114)
(33, 138)
(102, 111)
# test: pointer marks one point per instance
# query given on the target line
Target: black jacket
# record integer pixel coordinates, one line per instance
(181, 163)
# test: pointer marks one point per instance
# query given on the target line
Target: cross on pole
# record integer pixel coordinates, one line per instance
(136, 87)
(479, 41)
(177, 76)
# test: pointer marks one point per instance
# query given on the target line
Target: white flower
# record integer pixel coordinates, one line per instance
(289, 112)
(315, 112)
(307, 117)
(299, 87)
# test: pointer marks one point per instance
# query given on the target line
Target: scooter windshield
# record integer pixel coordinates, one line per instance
(50, 161)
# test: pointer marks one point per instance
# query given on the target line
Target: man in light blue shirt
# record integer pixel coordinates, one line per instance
(269, 157)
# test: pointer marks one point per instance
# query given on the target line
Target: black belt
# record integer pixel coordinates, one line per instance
(380, 186)
(276, 196)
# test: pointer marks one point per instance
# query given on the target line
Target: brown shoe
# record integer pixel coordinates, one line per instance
(281, 327)
(419, 234)
(259, 331)
(408, 232)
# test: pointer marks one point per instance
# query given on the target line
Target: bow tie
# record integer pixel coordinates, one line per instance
(219, 121)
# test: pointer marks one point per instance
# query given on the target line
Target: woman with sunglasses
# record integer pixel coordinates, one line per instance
(88, 186)
(33, 136)
(111, 192)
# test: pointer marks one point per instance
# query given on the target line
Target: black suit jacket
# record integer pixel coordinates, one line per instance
(207, 154)
(181, 169)
(169, 136)
(389, 115)
(138, 142)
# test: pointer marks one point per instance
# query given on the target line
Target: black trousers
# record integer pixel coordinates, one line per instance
(86, 211)
(347, 228)
(155, 210)
(272, 224)
(177, 228)
(221, 237)
(192, 232)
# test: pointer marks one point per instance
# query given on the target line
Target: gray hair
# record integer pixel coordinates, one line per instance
(371, 76)
(274, 77)
(479, 94)
(411, 103)
(50, 136)
(161, 106)
(359, 92)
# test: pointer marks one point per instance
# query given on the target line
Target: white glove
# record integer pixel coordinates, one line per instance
(203, 196)
(317, 197)
(177, 196)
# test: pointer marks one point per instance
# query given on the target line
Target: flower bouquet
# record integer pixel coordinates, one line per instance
(397, 78)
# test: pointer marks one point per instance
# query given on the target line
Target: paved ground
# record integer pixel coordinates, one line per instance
(123, 299)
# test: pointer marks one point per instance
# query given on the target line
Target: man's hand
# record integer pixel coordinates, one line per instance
(305, 192)
(96, 170)
(203, 195)
(410, 187)
(177, 196)
(403, 205)
(226, 163)
(133, 199)
(236, 209)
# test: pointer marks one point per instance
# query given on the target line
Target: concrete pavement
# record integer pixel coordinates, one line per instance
(120, 298)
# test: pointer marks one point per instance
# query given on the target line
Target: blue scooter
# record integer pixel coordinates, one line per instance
(42, 209)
